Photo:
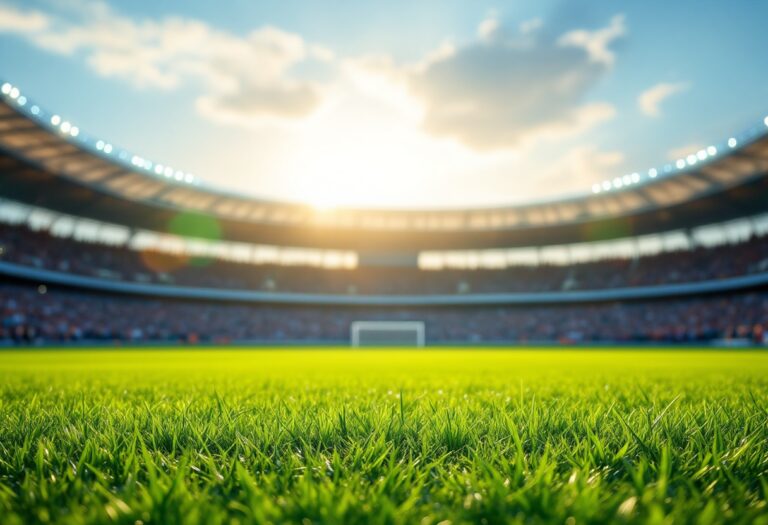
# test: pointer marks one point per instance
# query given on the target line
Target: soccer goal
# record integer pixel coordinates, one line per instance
(387, 333)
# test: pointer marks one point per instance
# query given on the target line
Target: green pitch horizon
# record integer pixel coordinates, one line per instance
(337, 436)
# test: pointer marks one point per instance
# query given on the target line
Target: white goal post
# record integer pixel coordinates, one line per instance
(387, 333)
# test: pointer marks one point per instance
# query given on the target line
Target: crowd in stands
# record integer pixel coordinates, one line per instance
(39, 249)
(32, 314)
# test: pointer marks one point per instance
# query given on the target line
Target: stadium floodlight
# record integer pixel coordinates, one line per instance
(65, 126)
(635, 178)
(596, 188)
(168, 171)
(21, 100)
(712, 151)
(6, 88)
(35, 110)
(692, 159)
(617, 183)
(652, 173)
(75, 131)
(55, 120)
(765, 121)
(702, 154)
(99, 145)
(387, 333)
(14, 92)
(680, 163)
(179, 175)
(606, 185)
(189, 178)
(732, 142)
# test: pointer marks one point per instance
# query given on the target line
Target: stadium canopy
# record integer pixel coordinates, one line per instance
(48, 162)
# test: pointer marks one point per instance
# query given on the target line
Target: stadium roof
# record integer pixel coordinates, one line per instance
(49, 162)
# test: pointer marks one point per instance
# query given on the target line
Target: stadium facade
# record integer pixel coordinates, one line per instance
(100, 243)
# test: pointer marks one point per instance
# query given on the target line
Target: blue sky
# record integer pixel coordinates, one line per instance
(398, 103)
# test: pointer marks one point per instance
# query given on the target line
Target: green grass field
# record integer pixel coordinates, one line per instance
(426, 437)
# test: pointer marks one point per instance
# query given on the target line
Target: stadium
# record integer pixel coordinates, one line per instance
(412, 283)
(677, 254)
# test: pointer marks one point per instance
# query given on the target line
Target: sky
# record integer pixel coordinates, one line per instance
(396, 104)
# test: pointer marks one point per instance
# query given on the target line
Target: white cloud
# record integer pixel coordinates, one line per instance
(650, 100)
(244, 76)
(14, 21)
(487, 28)
(509, 89)
(529, 26)
(596, 43)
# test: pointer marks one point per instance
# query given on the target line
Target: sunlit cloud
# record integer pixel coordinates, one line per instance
(597, 43)
(247, 76)
(509, 89)
(488, 28)
(651, 99)
(529, 26)
(15, 21)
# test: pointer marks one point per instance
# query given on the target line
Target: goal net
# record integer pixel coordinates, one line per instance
(387, 333)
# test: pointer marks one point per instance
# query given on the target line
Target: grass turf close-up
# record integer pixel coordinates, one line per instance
(384, 436)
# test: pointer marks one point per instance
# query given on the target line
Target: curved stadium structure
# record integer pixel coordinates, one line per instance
(101, 244)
